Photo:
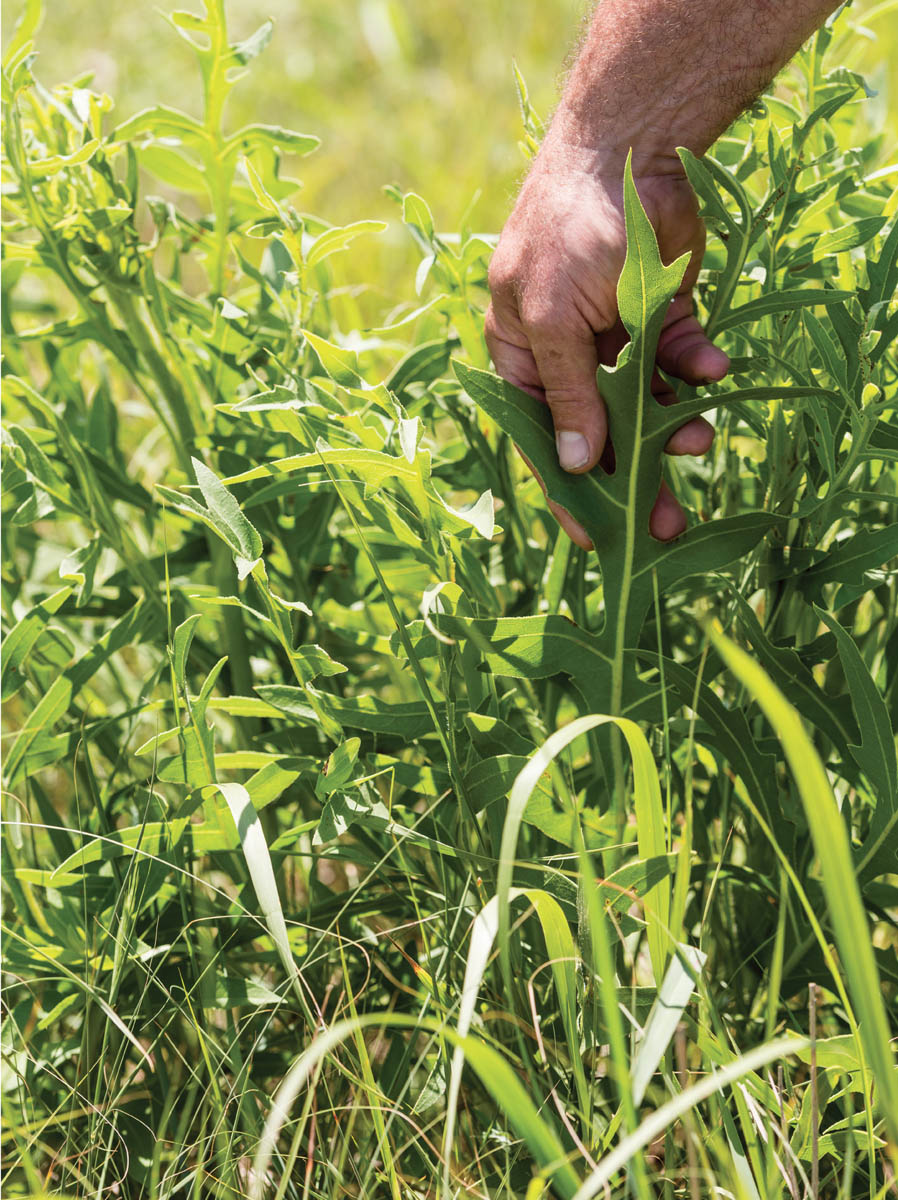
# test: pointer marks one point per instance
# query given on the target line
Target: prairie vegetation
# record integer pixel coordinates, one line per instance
(363, 836)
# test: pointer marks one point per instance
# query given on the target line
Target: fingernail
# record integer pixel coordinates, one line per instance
(573, 450)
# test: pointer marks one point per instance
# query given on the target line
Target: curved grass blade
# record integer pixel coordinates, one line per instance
(258, 860)
(563, 955)
(666, 1116)
(836, 870)
(650, 826)
(673, 996)
(494, 1072)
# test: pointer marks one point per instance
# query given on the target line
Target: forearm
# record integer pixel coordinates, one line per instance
(657, 74)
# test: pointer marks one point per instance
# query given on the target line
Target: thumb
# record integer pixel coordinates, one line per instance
(684, 349)
(567, 363)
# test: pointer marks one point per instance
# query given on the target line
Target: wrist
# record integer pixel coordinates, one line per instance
(595, 143)
(643, 81)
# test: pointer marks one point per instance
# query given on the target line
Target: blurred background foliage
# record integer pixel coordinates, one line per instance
(418, 95)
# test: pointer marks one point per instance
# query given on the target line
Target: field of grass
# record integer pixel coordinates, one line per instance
(420, 95)
(361, 835)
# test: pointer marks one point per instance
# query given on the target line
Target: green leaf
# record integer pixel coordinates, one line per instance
(160, 121)
(181, 648)
(235, 529)
(876, 753)
(849, 559)
(54, 163)
(707, 174)
(233, 991)
(415, 211)
(339, 364)
(51, 706)
(493, 736)
(373, 466)
(153, 839)
(700, 173)
(80, 567)
(255, 137)
(272, 780)
(781, 301)
(142, 622)
(345, 809)
(794, 678)
(26, 27)
(532, 647)
(245, 51)
(492, 779)
(20, 640)
(198, 737)
(311, 662)
(173, 169)
(615, 509)
(408, 720)
(422, 364)
(830, 352)
(836, 241)
(339, 768)
(334, 240)
(710, 546)
(42, 471)
(882, 273)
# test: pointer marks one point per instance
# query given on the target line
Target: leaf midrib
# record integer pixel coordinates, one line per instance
(617, 674)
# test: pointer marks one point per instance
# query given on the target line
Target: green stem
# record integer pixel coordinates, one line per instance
(184, 435)
(455, 771)
(236, 641)
(218, 173)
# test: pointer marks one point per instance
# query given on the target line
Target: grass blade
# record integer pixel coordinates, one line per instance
(838, 879)
(563, 955)
(258, 860)
(494, 1072)
(673, 996)
(669, 1113)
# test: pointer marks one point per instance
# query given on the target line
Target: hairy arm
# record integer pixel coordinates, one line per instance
(652, 75)
(657, 74)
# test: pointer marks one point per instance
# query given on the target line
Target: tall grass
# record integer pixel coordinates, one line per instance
(360, 835)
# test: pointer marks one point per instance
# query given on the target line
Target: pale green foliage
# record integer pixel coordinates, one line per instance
(309, 765)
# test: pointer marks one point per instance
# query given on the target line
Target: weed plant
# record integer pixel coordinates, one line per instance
(361, 835)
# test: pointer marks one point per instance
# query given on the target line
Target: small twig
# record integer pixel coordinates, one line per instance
(568, 1124)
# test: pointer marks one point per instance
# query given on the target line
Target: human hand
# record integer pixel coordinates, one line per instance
(554, 317)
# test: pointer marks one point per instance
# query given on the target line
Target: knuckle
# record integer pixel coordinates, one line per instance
(542, 321)
(503, 274)
(570, 394)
